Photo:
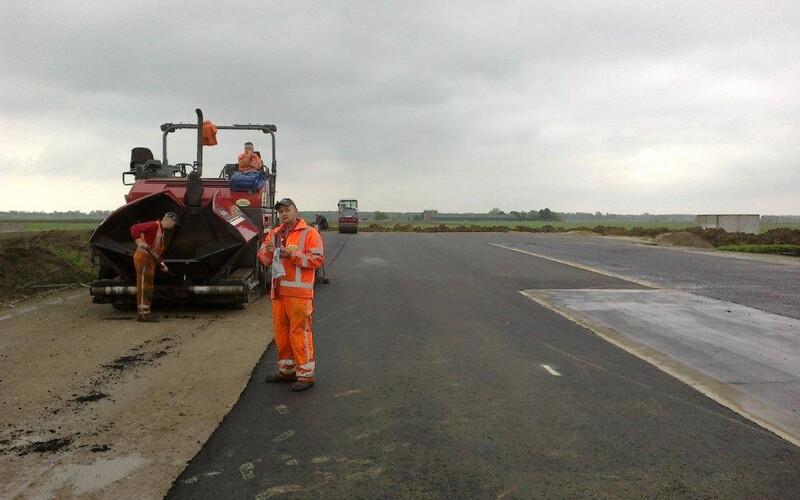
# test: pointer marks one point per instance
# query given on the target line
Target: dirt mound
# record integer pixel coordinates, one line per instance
(682, 239)
(30, 263)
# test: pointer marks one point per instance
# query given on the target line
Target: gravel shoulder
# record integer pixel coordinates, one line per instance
(96, 405)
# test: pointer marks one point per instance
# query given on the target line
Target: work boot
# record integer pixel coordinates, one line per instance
(147, 318)
(302, 385)
(279, 378)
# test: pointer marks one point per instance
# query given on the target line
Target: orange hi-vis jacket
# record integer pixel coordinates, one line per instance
(307, 256)
(209, 133)
(254, 165)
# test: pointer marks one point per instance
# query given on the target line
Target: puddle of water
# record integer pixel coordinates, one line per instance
(95, 476)
(375, 261)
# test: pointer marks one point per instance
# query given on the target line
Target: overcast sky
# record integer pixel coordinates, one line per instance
(616, 106)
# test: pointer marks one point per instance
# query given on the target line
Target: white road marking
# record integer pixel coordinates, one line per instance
(360, 461)
(347, 393)
(580, 266)
(366, 434)
(672, 330)
(375, 261)
(551, 371)
(282, 409)
(506, 493)
(283, 437)
(278, 490)
(320, 460)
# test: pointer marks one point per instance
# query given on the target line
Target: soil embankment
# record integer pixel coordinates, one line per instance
(37, 263)
(683, 239)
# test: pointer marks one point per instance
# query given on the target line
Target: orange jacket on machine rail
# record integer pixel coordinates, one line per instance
(209, 133)
(301, 267)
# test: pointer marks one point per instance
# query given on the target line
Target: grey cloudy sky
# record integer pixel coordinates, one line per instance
(617, 106)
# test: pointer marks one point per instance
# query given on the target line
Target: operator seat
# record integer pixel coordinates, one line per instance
(140, 156)
(229, 169)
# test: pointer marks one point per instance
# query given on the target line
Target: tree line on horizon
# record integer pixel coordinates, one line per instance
(70, 214)
(544, 214)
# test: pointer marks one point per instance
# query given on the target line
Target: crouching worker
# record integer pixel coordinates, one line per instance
(149, 238)
(299, 249)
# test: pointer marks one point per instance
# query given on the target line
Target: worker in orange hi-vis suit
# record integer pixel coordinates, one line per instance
(299, 248)
(249, 161)
(149, 237)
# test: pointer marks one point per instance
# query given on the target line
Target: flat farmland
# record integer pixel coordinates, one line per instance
(17, 226)
(559, 225)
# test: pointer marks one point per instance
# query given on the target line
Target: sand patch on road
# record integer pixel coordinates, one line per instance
(683, 239)
(97, 405)
(676, 239)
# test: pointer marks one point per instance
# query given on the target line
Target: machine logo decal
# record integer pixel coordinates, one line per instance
(243, 202)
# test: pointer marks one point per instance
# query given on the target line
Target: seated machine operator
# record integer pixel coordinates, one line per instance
(249, 161)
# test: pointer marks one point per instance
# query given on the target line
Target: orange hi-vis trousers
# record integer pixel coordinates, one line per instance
(145, 275)
(291, 317)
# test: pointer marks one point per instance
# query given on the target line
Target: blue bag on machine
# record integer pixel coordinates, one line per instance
(247, 181)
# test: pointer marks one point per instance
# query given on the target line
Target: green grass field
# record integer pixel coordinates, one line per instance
(791, 250)
(46, 225)
(532, 224)
(672, 226)
(43, 225)
(766, 226)
(58, 226)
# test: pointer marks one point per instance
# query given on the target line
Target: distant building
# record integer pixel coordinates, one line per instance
(732, 223)
(427, 215)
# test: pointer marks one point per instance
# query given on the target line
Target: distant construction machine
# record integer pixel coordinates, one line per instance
(212, 253)
(348, 216)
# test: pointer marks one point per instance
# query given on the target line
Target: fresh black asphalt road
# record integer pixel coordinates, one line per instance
(436, 378)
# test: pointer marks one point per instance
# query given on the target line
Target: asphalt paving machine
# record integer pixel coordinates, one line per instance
(211, 255)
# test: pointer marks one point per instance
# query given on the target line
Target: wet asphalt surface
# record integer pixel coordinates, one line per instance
(769, 286)
(431, 384)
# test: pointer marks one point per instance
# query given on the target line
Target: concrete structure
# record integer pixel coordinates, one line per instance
(428, 214)
(732, 223)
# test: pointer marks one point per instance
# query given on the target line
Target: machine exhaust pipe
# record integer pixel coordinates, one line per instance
(199, 166)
